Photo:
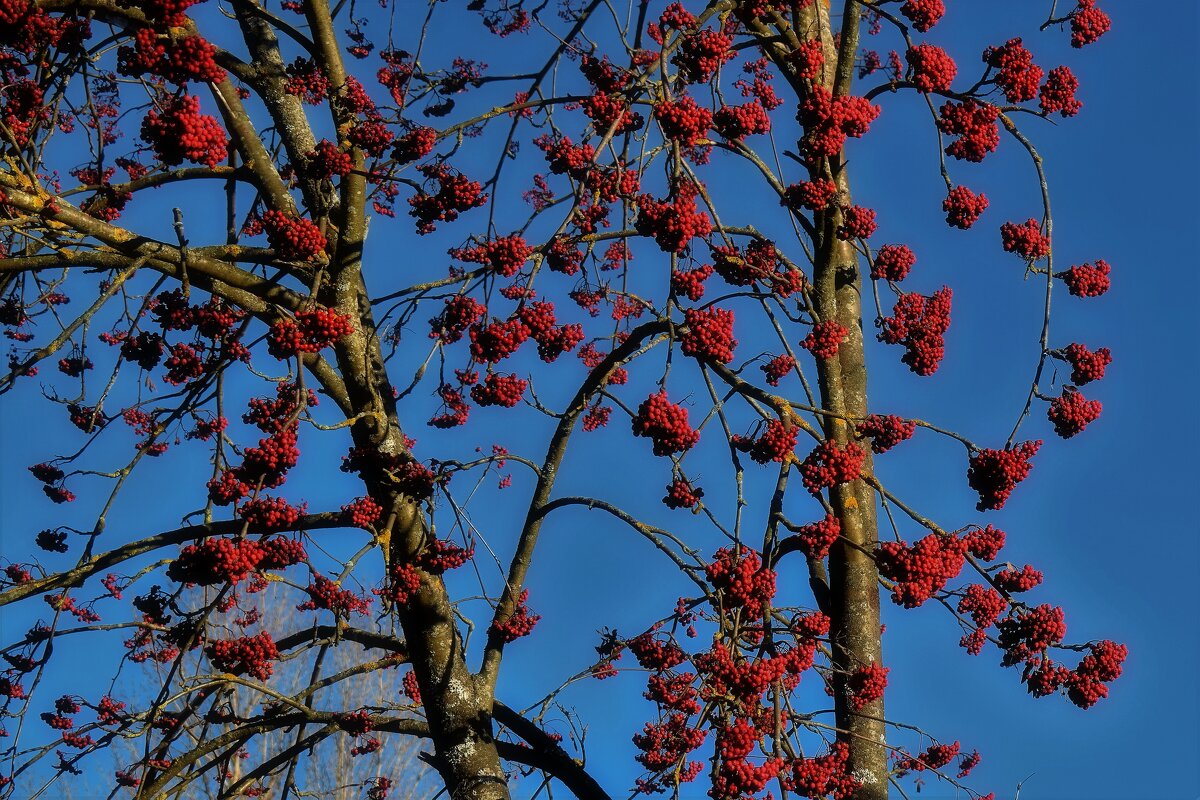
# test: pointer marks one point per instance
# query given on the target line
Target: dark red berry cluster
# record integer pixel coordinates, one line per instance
(1088, 23)
(885, 431)
(920, 324)
(177, 131)
(893, 262)
(1084, 280)
(963, 207)
(995, 473)
(294, 238)
(824, 338)
(1086, 365)
(249, 655)
(708, 335)
(1071, 412)
(1058, 93)
(682, 120)
(974, 124)
(813, 195)
(682, 494)
(1016, 74)
(742, 580)
(674, 222)
(519, 623)
(665, 424)
(866, 684)
(922, 570)
(831, 464)
(931, 69)
(1026, 239)
(815, 538)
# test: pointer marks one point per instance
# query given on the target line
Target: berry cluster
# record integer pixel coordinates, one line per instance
(975, 126)
(460, 313)
(1071, 412)
(775, 444)
(921, 571)
(866, 684)
(920, 324)
(935, 756)
(249, 655)
(708, 335)
(1013, 581)
(682, 494)
(824, 776)
(455, 194)
(294, 238)
(217, 561)
(857, 223)
(1017, 75)
(828, 121)
(701, 54)
(1026, 239)
(1088, 23)
(690, 283)
(885, 431)
(813, 195)
(310, 332)
(931, 68)
(985, 605)
(1084, 280)
(270, 514)
(519, 623)
(328, 161)
(178, 131)
(499, 390)
(737, 122)
(363, 512)
(414, 145)
(1086, 366)
(815, 538)
(683, 121)
(985, 543)
(497, 341)
(326, 594)
(830, 464)
(504, 254)
(1027, 632)
(778, 368)
(665, 424)
(824, 338)
(923, 14)
(963, 207)
(893, 262)
(1058, 93)
(673, 223)
(995, 473)
(742, 580)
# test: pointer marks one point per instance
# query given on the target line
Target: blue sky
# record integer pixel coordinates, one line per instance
(1105, 515)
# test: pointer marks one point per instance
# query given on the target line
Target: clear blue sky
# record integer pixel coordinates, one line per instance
(1106, 515)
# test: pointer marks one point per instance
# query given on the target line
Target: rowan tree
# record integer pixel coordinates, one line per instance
(189, 283)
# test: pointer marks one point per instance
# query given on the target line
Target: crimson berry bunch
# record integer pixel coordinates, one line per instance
(931, 68)
(270, 514)
(1025, 239)
(328, 161)
(519, 623)
(1086, 365)
(824, 338)
(362, 512)
(920, 324)
(831, 464)
(293, 238)
(455, 194)
(249, 655)
(1088, 23)
(866, 684)
(885, 431)
(828, 121)
(326, 594)
(690, 283)
(778, 368)
(682, 120)
(682, 494)
(776, 443)
(893, 262)
(1071, 412)
(310, 332)
(963, 207)
(921, 571)
(985, 605)
(665, 424)
(701, 54)
(995, 473)
(674, 222)
(1085, 280)
(737, 122)
(1058, 93)
(1013, 581)
(742, 580)
(504, 254)
(985, 543)
(1017, 75)
(815, 538)
(178, 132)
(499, 390)
(974, 123)
(708, 335)
(935, 756)
(814, 195)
